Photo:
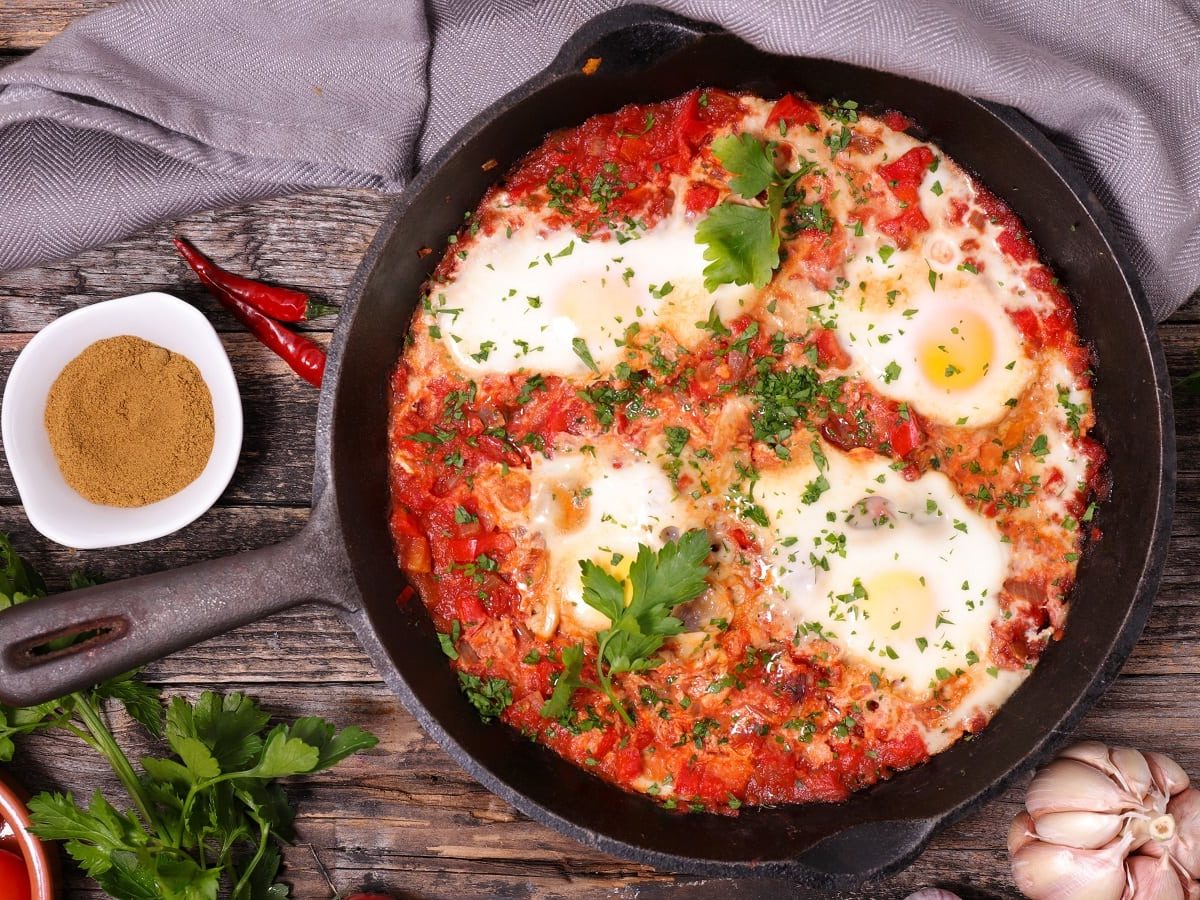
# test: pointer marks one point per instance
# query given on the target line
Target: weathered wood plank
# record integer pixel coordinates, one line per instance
(28, 24)
(312, 242)
(405, 814)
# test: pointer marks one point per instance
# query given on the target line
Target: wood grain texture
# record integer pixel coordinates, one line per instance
(27, 24)
(405, 818)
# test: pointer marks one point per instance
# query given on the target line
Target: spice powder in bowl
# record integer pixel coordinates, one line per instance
(130, 422)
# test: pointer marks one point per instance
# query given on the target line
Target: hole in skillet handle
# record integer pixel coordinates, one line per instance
(630, 37)
(869, 850)
(79, 638)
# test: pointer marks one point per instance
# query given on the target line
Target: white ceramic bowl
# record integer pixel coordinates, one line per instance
(53, 506)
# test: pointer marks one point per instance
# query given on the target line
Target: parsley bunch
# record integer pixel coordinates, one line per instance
(743, 240)
(207, 817)
(657, 583)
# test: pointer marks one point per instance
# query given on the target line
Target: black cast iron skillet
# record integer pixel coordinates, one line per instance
(344, 555)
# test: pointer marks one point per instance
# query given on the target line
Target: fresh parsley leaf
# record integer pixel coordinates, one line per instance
(658, 583)
(743, 247)
(559, 704)
(749, 160)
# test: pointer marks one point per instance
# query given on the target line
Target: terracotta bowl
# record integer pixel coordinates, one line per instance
(41, 859)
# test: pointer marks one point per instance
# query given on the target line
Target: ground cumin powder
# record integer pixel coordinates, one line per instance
(130, 422)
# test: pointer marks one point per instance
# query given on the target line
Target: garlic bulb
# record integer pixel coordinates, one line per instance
(1108, 824)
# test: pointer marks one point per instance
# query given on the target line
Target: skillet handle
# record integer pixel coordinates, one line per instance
(869, 850)
(629, 38)
(126, 624)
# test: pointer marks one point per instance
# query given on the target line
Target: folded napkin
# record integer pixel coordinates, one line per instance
(152, 109)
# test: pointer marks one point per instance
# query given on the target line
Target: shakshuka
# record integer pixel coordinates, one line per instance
(739, 450)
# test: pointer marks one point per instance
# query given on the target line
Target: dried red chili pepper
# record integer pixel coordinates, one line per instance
(305, 356)
(284, 304)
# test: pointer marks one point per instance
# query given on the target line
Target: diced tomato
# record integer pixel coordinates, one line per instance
(791, 110)
(905, 174)
(829, 349)
(902, 752)
(904, 227)
(774, 775)
(700, 197)
(501, 451)
(896, 120)
(470, 609)
(1016, 245)
(405, 523)
(906, 435)
(742, 539)
(817, 255)
(628, 763)
(1030, 326)
(468, 549)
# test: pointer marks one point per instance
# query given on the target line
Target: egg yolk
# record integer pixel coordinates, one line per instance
(898, 603)
(600, 305)
(956, 354)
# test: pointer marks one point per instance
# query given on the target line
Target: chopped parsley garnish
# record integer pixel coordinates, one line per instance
(677, 438)
(489, 696)
(449, 640)
(782, 399)
(579, 345)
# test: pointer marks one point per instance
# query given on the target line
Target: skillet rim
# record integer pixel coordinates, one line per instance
(1055, 734)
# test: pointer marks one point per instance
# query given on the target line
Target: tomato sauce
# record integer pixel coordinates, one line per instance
(764, 720)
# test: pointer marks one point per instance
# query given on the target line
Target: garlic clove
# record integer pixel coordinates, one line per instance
(1153, 879)
(1049, 872)
(1179, 837)
(933, 894)
(1085, 830)
(1093, 753)
(1020, 832)
(1132, 770)
(1167, 774)
(1068, 785)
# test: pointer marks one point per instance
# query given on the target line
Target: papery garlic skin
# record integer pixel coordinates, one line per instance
(1084, 830)
(1051, 872)
(1168, 775)
(1153, 879)
(1068, 785)
(1108, 824)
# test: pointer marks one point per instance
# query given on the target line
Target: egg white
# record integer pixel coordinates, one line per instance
(598, 505)
(522, 301)
(951, 352)
(901, 574)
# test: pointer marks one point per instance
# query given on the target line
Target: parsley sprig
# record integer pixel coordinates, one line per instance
(743, 240)
(207, 819)
(657, 583)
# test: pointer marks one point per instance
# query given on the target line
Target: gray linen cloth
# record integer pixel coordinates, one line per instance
(152, 109)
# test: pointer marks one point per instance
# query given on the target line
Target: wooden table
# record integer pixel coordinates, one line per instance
(405, 818)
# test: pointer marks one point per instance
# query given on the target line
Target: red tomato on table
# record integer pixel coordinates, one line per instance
(14, 877)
